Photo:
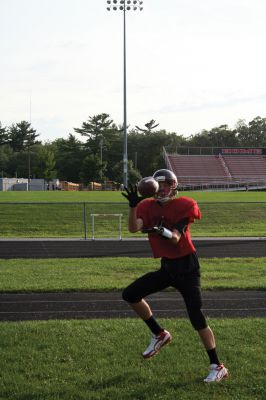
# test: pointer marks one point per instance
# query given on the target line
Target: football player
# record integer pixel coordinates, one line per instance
(166, 219)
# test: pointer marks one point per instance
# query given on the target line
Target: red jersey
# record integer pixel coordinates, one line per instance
(152, 213)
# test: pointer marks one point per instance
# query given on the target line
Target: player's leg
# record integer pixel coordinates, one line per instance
(135, 293)
(191, 293)
(142, 308)
(147, 284)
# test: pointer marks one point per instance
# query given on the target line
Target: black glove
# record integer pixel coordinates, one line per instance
(160, 230)
(132, 195)
(182, 225)
(148, 230)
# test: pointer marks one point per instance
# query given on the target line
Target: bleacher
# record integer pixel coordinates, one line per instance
(197, 169)
(218, 170)
(246, 166)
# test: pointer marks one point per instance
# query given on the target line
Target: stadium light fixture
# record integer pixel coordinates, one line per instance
(125, 6)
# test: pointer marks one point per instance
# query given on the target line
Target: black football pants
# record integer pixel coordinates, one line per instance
(180, 273)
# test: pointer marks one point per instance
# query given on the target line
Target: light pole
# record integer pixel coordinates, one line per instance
(125, 5)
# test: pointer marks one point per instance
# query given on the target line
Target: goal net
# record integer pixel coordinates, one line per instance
(106, 226)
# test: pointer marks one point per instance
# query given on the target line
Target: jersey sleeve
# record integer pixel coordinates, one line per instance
(191, 210)
(194, 212)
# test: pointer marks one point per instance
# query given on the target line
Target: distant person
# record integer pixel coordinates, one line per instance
(166, 219)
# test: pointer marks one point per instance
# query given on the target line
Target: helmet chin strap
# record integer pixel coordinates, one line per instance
(165, 199)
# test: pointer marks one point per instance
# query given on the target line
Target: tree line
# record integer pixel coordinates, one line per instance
(98, 157)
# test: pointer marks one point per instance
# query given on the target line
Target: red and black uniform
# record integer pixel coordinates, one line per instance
(179, 263)
(152, 214)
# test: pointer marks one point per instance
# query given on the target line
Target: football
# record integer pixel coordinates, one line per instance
(148, 186)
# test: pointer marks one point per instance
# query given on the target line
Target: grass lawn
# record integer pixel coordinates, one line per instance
(113, 274)
(101, 360)
(115, 196)
(69, 214)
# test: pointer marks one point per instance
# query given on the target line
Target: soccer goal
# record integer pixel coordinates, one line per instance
(106, 226)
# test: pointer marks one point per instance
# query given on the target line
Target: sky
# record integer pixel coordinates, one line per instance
(191, 64)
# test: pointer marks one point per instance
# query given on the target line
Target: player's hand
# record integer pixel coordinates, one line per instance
(148, 230)
(160, 230)
(132, 195)
(164, 232)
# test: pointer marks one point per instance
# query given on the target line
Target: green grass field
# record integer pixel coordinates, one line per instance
(61, 214)
(115, 196)
(101, 359)
(113, 274)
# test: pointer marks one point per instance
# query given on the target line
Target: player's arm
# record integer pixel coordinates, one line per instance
(172, 235)
(182, 225)
(176, 236)
(178, 231)
(134, 224)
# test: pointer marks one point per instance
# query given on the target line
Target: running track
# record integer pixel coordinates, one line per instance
(45, 306)
(64, 248)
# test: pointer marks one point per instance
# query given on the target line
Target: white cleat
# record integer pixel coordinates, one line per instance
(217, 373)
(157, 341)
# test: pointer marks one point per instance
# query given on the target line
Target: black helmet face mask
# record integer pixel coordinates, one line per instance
(167, 190)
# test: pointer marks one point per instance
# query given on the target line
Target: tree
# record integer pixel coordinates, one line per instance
(45, 164)
(69, 155)
(253, 134)
(3, 135)
(147, 149)
(220, 136)
(5, 156)
(96, 126)
(201, 139)
(133, 174)
(21, 136)
(18, 164)
(91, 169)
(149, 126)
(104, 139)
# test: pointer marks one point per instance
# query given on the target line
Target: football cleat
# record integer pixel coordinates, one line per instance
(157, 341)
(217, 373)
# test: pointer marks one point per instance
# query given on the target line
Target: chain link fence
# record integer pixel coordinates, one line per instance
(103, 220)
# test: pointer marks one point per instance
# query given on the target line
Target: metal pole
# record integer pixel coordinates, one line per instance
(92, 226)
(29, 163)
(125, 159)
(101, 155)
(125, 5)
(85, 221)
(120, 226)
